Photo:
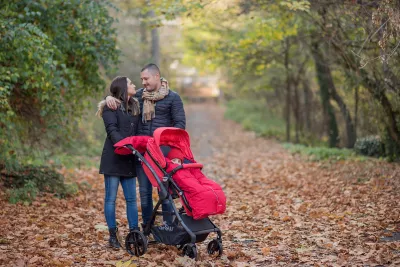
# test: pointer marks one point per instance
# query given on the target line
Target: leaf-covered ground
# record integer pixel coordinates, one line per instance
(282, 210)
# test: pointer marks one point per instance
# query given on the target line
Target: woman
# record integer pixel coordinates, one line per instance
(119, 123)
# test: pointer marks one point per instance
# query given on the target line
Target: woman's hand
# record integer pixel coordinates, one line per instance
(112, 102)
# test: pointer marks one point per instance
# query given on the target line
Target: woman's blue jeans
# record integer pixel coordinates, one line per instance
(111, 189)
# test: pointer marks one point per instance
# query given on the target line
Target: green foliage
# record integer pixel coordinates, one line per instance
(296, 5)
(25, 194)
(374, 146)
(371, 146)
(321, 153)
(26, 181)
(265, 48)
(87, 157)
(254, 116)
(50, 51)
(246, 46)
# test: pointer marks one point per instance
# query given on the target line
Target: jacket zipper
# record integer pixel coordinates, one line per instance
(151, 128)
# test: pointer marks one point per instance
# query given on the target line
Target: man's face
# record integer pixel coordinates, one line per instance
(150, 81)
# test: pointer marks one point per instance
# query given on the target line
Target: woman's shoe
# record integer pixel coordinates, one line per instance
(113, 241)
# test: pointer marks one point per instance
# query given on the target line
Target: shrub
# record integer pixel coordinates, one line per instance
(371, 146)
(25, 194)
(26, 181)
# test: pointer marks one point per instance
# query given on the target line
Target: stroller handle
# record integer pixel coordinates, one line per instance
(134, 151)
(163, 192)
(192, 165)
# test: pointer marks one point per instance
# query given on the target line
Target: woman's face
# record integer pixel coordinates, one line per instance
(131, 88)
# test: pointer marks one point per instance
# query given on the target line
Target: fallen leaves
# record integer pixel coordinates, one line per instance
(125, 264)
(265, 251)
(281, 210)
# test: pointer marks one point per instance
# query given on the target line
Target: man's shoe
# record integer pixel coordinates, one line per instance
(143, 225)
(133, 229)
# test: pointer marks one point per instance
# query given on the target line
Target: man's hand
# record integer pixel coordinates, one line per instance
(112, 102)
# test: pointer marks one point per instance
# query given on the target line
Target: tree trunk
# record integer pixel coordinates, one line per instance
(356, 98)
(350, 131)
(155, 43)
(377, 91)
(143, 33)
(288, 93)
(296, 112)
(323, 74)
(307, 104)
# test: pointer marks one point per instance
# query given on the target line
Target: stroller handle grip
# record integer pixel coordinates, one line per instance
(131, 148)
(192, 165)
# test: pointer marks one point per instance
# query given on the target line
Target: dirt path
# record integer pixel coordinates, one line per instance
(204, 127)
(282, 210)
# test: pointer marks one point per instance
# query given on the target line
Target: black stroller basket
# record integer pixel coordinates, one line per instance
(184, 233)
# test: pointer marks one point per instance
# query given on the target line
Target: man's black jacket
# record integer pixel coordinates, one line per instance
(169, 113)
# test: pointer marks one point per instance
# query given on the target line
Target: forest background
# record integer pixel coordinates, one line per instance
(321, 76)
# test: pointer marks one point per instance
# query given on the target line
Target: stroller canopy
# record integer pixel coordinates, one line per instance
(173, 137)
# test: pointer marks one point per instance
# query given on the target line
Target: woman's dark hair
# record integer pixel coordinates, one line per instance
(119, 90)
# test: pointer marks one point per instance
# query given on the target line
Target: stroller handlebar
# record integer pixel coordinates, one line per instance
(163, 191)
(131, 148)
(192, 165)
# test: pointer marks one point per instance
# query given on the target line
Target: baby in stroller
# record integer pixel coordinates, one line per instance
(175, 155)
(177, 175)
(205, 197)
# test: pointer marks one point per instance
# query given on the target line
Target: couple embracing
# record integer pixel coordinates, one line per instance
(129, 112)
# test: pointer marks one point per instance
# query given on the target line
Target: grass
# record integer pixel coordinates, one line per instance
(254, 116)
(323, 153)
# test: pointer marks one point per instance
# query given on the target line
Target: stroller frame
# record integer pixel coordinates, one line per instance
(136, 242)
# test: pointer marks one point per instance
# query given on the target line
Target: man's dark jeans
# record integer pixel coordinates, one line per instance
(145, 191)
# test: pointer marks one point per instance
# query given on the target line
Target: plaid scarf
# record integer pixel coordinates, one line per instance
(149, 99)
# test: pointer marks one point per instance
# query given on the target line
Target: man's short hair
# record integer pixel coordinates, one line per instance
(152, 68)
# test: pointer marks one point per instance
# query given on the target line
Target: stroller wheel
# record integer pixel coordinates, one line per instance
(214, 246)
(190, 250)
(136, 243)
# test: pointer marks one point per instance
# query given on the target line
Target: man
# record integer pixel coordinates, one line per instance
(160, 107)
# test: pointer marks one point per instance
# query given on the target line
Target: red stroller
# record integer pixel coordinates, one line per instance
(202, 197)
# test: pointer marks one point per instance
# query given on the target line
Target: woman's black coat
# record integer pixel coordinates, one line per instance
(119, 124)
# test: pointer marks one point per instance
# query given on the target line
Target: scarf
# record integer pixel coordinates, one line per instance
(150, 98)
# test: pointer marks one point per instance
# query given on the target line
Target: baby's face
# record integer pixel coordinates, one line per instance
(176, 161)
